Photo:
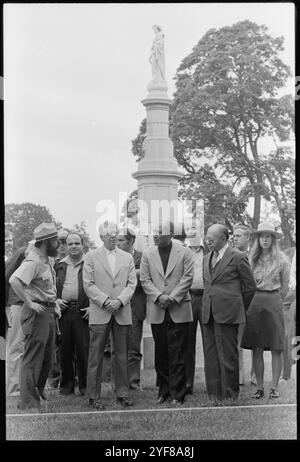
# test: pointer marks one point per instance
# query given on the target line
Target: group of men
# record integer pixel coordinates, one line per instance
(108, 292)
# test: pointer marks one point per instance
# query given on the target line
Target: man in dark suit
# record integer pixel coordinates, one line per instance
(229, 287)
(125, 242)
(166, 276)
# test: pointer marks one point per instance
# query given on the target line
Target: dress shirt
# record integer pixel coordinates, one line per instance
(198, 255)
(221, 253)
(164, 253)
(70, 288)
(111, 257)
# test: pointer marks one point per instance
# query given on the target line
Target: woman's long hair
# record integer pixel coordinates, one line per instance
(276, 255)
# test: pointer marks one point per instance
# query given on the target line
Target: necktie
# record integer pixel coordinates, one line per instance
(215, 258)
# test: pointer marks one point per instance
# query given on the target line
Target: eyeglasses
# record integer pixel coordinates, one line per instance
(62, 241)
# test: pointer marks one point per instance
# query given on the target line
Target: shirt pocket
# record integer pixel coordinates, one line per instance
(47, 279)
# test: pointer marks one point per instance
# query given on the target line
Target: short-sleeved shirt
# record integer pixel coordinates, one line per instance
(38, 275)
(70, 288)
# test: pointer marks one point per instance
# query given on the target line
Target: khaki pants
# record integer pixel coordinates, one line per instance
(39, 331)
(14, 348)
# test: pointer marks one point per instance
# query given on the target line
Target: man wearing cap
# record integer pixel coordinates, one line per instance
(74, 327)
(126, 239)
(109, 280)
(34, 283)
(229, 287)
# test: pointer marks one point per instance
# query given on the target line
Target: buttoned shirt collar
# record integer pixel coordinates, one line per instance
(222, 251)
(69, 261)
(110, 252)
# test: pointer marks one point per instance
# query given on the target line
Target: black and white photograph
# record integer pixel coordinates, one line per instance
(149, 224)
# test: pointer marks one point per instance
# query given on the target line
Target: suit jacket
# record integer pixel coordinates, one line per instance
(175, 282)
(61, 271)
(99, 283)
(138, 301)
(228, 291)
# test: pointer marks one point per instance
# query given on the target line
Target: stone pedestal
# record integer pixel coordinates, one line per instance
(157, 176)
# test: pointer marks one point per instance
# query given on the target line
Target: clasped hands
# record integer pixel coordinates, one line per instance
(112, 305)
(164, 301)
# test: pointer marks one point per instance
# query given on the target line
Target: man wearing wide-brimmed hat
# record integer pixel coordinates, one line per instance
(34, 283)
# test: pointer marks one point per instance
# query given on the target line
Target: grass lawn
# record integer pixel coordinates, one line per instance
(214, 421)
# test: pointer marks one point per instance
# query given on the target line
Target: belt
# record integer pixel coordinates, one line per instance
(196, 291)
(46, 304)
(16, 303)
(268, 291)
(72, 304)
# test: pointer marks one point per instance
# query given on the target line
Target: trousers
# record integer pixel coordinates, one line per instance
(98, 339)
(39, 331)
(221, 359)
(170, 343)
(191, 340)
(14, 348)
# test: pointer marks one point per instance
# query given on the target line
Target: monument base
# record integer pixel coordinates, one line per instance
(147, 348)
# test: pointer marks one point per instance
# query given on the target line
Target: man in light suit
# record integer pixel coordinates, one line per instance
(109, 280)
(229, 287)
(126, 239)
(166, 276)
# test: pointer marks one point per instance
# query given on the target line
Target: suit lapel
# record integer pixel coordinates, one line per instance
(119, 258)
(222, 263)
(206, 268)
(103, 260)
(173, 257)
(157, 261)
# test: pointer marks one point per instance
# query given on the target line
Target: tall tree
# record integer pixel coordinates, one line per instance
(226, 101)
(22, 219)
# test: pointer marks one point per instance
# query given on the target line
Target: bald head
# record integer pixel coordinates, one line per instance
(163, 233)
(217, 236)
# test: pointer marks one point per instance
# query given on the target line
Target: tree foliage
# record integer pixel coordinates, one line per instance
(226, 101)
(88, 243)
(22, 219)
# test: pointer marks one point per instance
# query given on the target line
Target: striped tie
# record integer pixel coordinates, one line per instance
(215, 258)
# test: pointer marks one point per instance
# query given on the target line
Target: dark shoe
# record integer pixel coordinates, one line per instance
(258, 394)
(162, 399)
(96, 404)
(125, 402)
(82, 391)
(189, 391)
(176, 403)
(52, 384)
(43, 395)
(136, 387)
(66, 391)
(274, 393)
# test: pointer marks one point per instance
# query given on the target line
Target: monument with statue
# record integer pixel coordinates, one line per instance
(157, 175)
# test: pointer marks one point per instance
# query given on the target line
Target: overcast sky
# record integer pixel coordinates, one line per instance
(75, 75)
